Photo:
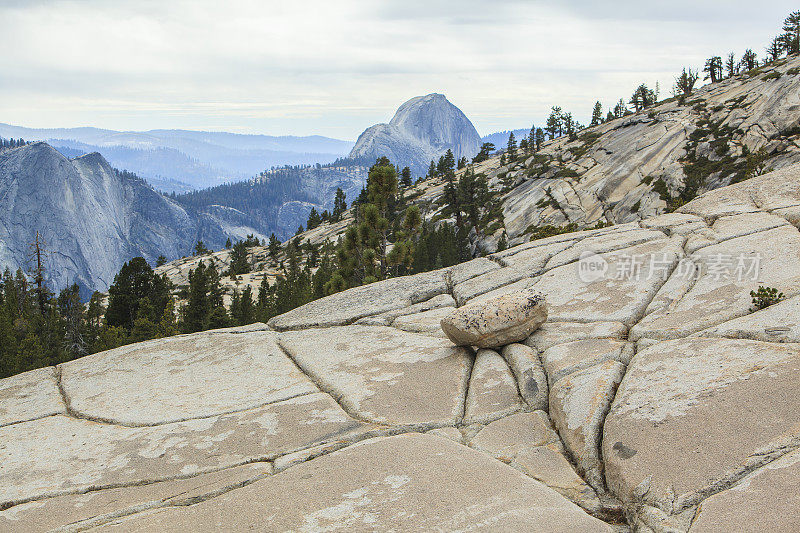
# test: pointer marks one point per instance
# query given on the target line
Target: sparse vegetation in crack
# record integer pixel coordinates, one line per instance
(765, 297)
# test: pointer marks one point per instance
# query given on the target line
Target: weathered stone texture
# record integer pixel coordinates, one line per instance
(385, 484)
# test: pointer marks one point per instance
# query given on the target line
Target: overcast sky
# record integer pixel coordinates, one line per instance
(334, 67)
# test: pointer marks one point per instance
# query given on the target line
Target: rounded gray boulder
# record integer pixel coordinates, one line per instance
(498, 322)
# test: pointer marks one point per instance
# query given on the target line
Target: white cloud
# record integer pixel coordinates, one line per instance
(336, 67)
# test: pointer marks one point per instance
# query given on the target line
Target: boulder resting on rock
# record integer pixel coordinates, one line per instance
(497, 322)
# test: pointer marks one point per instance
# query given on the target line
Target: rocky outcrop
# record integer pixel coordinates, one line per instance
(652, 399)
(609, 173)
(91, 218)
(422, 130)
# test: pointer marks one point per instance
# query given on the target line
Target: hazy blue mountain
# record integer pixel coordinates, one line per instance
(423, 129)
(500, 139)
(200, 159)
(160, 166)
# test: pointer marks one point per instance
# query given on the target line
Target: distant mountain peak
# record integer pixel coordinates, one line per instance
(422, 129)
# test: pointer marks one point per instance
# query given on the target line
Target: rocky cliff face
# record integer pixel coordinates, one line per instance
(613, 172)
(91, 218)
(423, 129)
(653, 398)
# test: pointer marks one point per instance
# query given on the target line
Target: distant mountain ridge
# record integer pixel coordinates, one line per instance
(200, 159)
(500, 138)
(422, 130)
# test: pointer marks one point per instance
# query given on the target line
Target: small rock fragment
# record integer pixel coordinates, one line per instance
(494, 323)
(531, 379)
(492, 390)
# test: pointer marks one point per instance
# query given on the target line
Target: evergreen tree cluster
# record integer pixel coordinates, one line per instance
(39, 328)
(561, 123)
(782, 45)
(444, 168)
(315, 219)
(12, 143)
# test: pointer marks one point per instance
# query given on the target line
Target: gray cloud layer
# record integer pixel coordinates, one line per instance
(336, 67)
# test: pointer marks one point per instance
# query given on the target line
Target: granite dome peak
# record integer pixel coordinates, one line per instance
(422, 129)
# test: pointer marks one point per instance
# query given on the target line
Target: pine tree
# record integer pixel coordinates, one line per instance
(621, 109)
(273, 246)
(452, 200)
(432, 170)
(145, 326)
(198, 308)
(218, 317)
(502, 244)
(597, 114)
(382, 185)
(9, 363)
(713, 69)
(94, 319)
(36, 256)
(483, 153)
(448, 164)
(200, 249)
(314, 219)
(135, 280)
(569, 125)
(473, 194)
(339, 205)
(167, 326)
(684, 84)
(405, 177)
(312, 255)
(554, 124)
(532, 147)
(264, 304)
(731, 65)
(401, 257)
(247, 310)
(71, 312)
(539, 139)
(240, 263)
(775, 49)
(791, 37)
(643, 97)
(749, 60)
(511, 147)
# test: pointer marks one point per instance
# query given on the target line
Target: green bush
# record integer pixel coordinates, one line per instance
(764, 297)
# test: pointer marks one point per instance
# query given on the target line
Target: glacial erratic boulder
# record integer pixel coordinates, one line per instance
(497, 322)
